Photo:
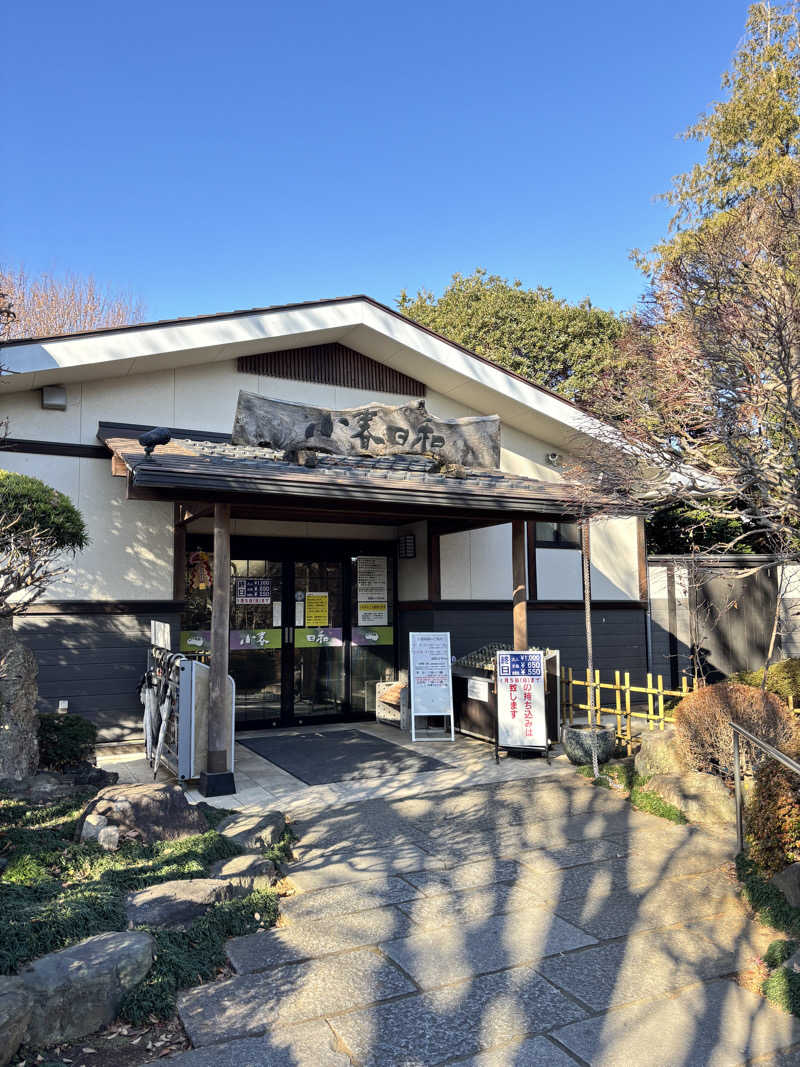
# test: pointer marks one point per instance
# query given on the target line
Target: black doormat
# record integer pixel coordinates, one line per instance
(339, 756)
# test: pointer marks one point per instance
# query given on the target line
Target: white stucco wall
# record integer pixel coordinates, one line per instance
(131, 551)
(129, 556)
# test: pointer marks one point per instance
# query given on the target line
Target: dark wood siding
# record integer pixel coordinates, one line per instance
(331, 364)
(619, 634)
(95, 661)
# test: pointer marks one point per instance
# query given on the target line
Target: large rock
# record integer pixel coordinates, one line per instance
(249, 871)
(179, 903)
(253, 832)
(703, 798)
(19, 747)
(16, 1005)
(788, 881)
(157, 812)
(79, 989)
(658, 754)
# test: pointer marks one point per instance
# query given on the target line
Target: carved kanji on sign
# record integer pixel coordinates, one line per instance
(376, 430)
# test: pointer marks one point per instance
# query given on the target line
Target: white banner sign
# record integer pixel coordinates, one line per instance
(431, 684)
(521, 721)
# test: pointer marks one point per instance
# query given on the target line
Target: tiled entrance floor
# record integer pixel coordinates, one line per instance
(263, 786)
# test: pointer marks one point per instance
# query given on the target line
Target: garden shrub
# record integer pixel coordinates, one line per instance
(65, 740)
(37, 505)
(705, 738)
(783, 678)
(773, 816)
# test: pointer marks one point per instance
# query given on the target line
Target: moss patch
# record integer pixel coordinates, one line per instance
(633, 784)
(55, 892)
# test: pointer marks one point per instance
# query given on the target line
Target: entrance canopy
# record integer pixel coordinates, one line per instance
(311, 485)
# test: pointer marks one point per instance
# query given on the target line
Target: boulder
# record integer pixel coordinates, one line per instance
(253, 832)
(180, 902)
(79, 989)
(250, 871)
(788, 881)
(703, 798)
(16, 1005)
(658, 754)
(108, 838)
(157, 812)
(19, 752)
(93, 823)
(793, 963)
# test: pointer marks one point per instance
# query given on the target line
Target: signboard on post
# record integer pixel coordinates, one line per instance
(159, 634)
(430, 679)
(521, 720)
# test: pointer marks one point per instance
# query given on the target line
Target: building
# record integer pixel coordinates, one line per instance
(358, 549)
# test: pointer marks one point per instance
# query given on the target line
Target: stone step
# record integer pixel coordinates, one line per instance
(319, 869)
(460, 1020)
(718, 1023)
(644, 965)
(248, 1005)
(347, 898)
(436, 956)
(253, 953)
(306, 1045)
(180, 902)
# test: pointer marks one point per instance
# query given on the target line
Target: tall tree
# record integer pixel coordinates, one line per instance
(708, 400)
(48, 304)
(562, 346)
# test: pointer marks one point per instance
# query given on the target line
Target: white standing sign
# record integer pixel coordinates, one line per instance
(521, 720)
(430, 678)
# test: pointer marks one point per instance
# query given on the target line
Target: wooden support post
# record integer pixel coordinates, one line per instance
(520, 596)
(218, 778)
(178, 555)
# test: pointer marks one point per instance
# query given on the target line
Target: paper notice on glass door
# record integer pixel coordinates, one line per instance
(371, 578)
(276, 613)
(373, 614)
(316, 609)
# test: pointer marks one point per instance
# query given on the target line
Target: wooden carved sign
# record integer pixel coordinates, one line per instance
(375, 430)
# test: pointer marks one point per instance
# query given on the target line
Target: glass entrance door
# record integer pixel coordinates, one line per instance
(317, 645)
(312, 627)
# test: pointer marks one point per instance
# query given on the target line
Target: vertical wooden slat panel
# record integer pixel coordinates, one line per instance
(331, 364)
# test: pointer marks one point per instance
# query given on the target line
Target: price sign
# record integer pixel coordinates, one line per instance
(521, 721)
(253, 590)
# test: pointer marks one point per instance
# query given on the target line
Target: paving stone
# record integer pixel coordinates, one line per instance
(535, 1052)
(468, 906)
(253, 831)
(316, 872)
(575, 854)
(644, 965)
(664, 905)
(252, 1004)
(344, 899)
(464, 876)
(436, 956)
(461, 1020)
(307, 1045)
(719, 1024)
(309, 940)
(249, 870)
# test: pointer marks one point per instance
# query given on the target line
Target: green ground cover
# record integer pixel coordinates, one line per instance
(624, 777)
(55, 891)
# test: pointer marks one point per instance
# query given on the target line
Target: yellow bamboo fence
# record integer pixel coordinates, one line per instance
(652, 703)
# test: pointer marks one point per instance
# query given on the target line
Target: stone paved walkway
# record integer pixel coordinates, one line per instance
(525, 923)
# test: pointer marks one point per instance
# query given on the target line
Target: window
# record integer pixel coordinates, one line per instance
(557, 535)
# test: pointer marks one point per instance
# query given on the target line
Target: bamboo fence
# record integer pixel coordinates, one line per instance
(652, 703)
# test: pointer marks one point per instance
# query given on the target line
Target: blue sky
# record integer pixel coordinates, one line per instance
(216, 156)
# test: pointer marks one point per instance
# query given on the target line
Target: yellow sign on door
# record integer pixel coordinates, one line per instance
(316, 609)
